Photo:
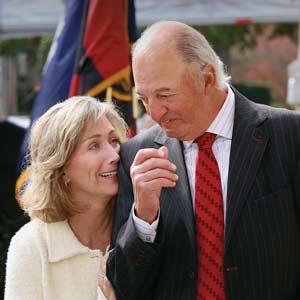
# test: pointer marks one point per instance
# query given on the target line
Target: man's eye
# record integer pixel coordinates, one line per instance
(164, 96)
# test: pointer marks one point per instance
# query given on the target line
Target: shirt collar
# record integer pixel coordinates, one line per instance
(62, 243)
(222, 125)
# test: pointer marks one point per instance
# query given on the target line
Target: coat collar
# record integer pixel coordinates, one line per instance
(62, 243)
(248, 146)
(181, 194)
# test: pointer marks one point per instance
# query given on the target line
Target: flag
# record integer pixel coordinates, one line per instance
(57, 74)
(90, 55)
(103, 66)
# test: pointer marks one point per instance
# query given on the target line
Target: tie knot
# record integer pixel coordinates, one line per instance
(206, 140)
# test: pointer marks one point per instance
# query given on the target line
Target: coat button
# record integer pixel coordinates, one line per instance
(232, 269)
(192, 275)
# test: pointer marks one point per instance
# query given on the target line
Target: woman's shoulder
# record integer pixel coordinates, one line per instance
(29, 234)
(31, 240)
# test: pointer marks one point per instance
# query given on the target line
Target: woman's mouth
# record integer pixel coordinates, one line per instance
(108, 174)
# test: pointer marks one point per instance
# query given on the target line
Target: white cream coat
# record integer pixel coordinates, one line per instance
(47, 262)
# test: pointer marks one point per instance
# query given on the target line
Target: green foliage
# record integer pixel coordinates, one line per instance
(290, 30)
(43, 49)
(14, 47)
(36, 48)
(260, 94)
(223, 37)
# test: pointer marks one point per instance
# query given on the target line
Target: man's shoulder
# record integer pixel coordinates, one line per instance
(279, 114)
(145, 138)
(267, 112)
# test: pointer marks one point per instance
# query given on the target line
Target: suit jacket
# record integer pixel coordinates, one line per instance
(262, 227)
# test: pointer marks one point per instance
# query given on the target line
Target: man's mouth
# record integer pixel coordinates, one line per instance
(166, 121)
(108, 174)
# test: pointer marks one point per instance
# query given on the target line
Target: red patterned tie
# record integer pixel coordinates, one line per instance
(209, 222)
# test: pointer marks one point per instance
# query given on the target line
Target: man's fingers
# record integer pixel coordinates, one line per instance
(156, 184)
(155, 174)
(164, 152)
(150, 164)
(144, 154)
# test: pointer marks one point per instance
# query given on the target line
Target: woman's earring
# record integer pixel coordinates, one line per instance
(67, 181)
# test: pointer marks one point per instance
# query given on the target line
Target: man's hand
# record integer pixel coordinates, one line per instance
(103, 281)
(150, 172)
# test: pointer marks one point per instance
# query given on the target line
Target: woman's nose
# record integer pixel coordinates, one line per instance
(113, 153)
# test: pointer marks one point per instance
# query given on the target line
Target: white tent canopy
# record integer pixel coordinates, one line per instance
(217, 11)
(19, 18)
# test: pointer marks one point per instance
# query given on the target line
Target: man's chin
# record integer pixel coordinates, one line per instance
(171, 132)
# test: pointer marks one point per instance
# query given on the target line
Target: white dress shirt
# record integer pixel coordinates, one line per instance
(222, 126)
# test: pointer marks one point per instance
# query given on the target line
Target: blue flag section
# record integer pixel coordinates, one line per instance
(57, 73)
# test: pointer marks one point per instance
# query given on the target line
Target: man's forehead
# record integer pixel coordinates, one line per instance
(159, 89)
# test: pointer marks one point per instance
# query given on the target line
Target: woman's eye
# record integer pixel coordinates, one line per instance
(115, 141)
(94, 146)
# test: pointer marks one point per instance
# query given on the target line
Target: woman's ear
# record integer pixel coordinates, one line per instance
(66, 179)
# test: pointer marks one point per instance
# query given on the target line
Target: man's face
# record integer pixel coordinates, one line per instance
(170, 95)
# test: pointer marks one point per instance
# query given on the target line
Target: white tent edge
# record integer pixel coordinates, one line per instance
(40, 17)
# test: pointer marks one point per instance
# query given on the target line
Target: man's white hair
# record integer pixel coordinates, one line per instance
(191, 45)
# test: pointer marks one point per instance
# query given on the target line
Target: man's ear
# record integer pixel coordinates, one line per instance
(209, 74)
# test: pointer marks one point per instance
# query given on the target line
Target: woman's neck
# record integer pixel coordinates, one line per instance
(94, 226)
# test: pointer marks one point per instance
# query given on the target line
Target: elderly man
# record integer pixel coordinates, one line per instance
(208, 204)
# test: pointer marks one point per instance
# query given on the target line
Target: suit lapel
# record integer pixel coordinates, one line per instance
(247, 149)
(181, 193)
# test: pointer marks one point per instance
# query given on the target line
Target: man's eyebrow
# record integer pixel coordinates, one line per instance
(162, 89)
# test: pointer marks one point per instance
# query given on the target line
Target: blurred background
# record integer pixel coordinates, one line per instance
(257, 41)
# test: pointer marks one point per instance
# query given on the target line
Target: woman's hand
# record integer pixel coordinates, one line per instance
(103, 281)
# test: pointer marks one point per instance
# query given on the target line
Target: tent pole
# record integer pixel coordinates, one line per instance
(298, 49)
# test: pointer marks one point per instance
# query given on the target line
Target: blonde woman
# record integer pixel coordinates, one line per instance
(74, 152)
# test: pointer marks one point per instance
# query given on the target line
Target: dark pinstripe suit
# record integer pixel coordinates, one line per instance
(262, 233)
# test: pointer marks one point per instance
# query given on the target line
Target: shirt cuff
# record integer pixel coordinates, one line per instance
(145, 231)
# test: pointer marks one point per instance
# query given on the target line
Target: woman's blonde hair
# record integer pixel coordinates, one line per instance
(53, 139)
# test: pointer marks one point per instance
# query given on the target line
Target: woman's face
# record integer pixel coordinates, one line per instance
(92, 168)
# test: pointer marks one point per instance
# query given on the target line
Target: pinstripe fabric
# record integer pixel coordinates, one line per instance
(262, 227)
